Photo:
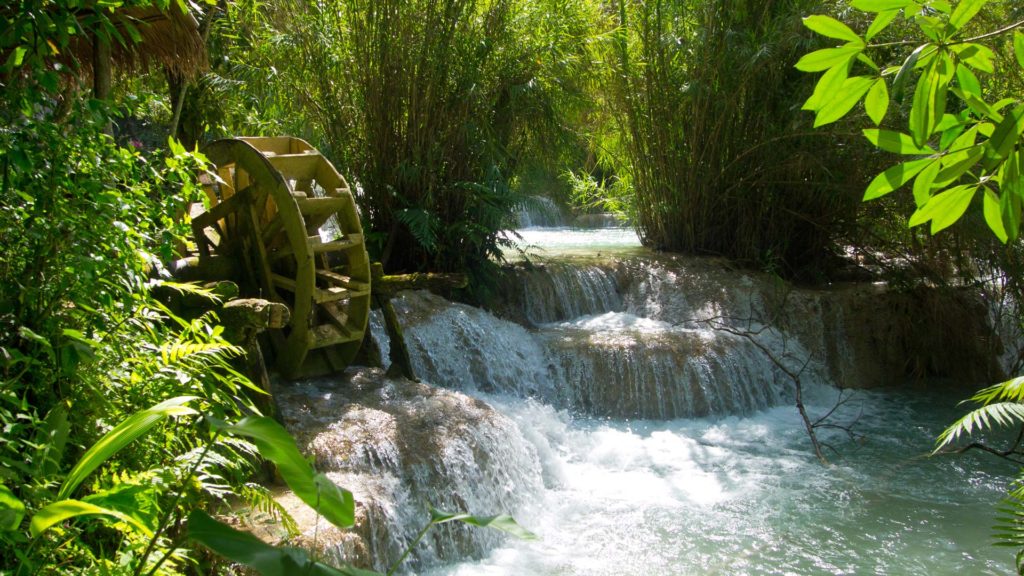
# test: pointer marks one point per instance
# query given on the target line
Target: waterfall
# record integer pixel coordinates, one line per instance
(636, 410)
(560, 291)
(399, 446)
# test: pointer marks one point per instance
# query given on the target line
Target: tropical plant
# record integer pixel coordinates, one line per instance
(964, 142)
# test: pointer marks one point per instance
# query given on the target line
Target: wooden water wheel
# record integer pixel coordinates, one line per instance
(287, 221)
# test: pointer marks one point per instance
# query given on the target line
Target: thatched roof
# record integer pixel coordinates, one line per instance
(171, 38)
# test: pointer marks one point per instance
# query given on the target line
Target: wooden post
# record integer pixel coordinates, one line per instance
(101, 72)
(401, 363)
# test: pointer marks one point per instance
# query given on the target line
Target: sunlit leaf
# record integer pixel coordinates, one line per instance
(1018, 46)
(881, 22)
(827, 58)
(956, 165)
(894, 177)
(852, 90)
(828, 26)
(944, 208)
(1006, 136)
(923, 183)
(12, 510)
(977, 56)
(899, 84)
(123, 434)
(62, 510)
(828, 85)
(964, 11)
(876, 103)
(277, 445)
(897, 142)
(994, 216)
(967, 81)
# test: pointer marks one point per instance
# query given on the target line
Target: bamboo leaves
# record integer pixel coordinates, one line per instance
(952, 156)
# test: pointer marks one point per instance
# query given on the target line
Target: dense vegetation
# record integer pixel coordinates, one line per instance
(449, 117)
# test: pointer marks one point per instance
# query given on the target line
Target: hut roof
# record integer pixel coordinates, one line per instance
(168, 38)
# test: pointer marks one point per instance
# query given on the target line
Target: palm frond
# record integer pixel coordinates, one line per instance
(1000, 414)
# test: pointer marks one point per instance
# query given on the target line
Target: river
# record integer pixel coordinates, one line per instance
(645, 430)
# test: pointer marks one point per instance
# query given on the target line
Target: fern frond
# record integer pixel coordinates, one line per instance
(983, 418)
(422, 224)
(175, 352)
(191, 289)
(259, 499)
(1012, 390)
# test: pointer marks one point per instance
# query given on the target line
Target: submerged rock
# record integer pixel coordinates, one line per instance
(400, 447)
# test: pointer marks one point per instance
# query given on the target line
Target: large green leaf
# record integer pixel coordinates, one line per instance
(903, 74)
(828, 26)
(964, 11)
(924, 181)
(275, 444)
(881, 22)
(852, 90)
(967, 81)
(244, 548)
(876, 103)
(502, 522)
(976, 56)
(827, 87)
(1005, 138)
(894, 177)
(994, 216)
(828, 57)
(123, 434)
(62, 510)
(929, 103)
(897, 142)
(12, 510)
(956, 165)
(944, 208)
(1018, 47)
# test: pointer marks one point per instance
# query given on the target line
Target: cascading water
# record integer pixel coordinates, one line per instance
(642, 423)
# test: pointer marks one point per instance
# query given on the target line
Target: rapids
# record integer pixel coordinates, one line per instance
(636, 412)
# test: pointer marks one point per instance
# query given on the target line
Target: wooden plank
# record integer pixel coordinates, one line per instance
(296, 166)
(317, 245)
(328, 335)
(337, 317)
(320, 295)
(343, 281)
(320, 206)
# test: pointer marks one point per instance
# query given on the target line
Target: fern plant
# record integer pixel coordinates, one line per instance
(999, 407)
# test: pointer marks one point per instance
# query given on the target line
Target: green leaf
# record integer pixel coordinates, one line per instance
(967, 81)
(62, 510)
(828, 58)
(944, 208)
(123, 434)
(828, 85)
(502, 522)
(929, 103)
(51, 437)
(1018, 47)
(275, 444)
(244, 548)
(908, 64)
(880, 5)
(12, 510)
(138, 501)
(1011, 192)
(994, 216)
(976, 56)
(1005, 137)
(964, 11)
(876, 103)
(894, 177)
(923, 183)
(828, 26)
(881, 22)
(852, 90)
(897, 142)
(955, 165)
